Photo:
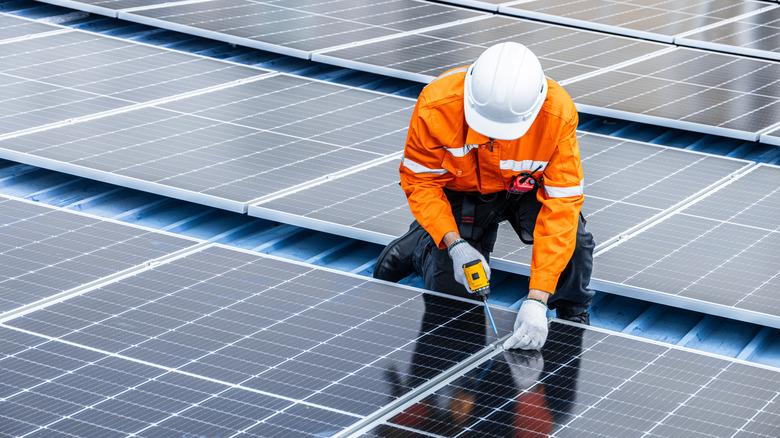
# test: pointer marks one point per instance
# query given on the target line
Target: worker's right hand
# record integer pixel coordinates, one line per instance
(461, 252)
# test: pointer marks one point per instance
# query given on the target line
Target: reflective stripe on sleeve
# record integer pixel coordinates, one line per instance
(565, 192)
(517, 166)
(419, 168)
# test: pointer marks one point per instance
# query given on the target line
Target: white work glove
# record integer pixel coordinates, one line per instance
(525, 366)
(530, 327)
(461, 253)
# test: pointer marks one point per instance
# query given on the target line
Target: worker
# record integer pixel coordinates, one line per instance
(490, 142)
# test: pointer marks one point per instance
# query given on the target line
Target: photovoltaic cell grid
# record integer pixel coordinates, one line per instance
(587, 384)
(300, 27)
(228, 147)
(756, 35)
(564, 52)
(293, 331)
(53, 389)
(13, 28)
(652, 19)
(44, 251)
(721, 254)
(60, 77)
(688, 89)
(622, 191)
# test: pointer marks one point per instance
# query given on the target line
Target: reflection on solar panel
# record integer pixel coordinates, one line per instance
(75, 74)
(298, 28)
(295, 331)
(108, 7)
(626, 185)
(230, 147)
(651, 19)
(688, 89)
(565, 53)
(756, 35)
(52, 388)
(45, 251)
(721, 255)
(12, 28)
(593, 383)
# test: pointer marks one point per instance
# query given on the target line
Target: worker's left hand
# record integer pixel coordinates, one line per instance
(530, 327)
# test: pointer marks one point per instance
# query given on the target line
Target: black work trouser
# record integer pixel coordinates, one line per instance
(572, 294)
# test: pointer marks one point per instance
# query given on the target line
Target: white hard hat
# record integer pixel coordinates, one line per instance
(504, 91)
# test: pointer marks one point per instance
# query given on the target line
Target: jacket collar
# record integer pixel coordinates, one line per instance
(475, 138)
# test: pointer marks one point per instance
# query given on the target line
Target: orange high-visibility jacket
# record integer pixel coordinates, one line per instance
(442, 151)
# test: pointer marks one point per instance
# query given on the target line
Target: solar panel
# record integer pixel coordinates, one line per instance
(488, 5)
(565, 53)
(227, 148)
(721, 255)
(45, 251)
(12, 28)
(627, 184)
(57, 389)
(588, 383)
(298, 28)
(756, 35)
(309, 335)
(688, 89)
(772, 137)
(649, 19)
(75, 74)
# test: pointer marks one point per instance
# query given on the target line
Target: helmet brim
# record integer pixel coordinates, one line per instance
(496, 130)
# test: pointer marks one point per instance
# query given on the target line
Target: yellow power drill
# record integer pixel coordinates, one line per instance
(476, 276)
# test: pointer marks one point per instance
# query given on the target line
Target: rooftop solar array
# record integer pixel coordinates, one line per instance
(64, 76)
(301, 27)
(591, 383)
(45, 251)
(245, 322)
(756, 35)
(650, 19)
(721, 255)
(230, 343)
(230, 147)
(565, 53)
(622, 184)
(688, 89)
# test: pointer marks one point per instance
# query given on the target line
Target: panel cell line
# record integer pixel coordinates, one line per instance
(720, 255)
(45, 252)
(565, 53)
(688, 89)
(627, 184)
(229, 147)
(12, 28)
(56, 389)
(343, 342)
(297, 28)
(589, 383)
(649, 19)
(73, 74)
(756, 35)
